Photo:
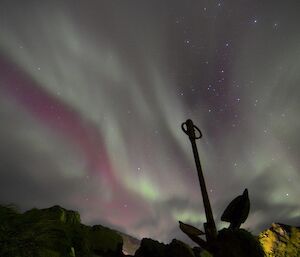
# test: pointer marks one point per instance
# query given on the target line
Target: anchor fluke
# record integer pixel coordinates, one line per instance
(190, 230)
(237, 211)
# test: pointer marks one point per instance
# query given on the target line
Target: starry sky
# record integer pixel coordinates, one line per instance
(93, 94)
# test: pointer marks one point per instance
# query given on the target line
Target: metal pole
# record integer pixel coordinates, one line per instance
(210, 227)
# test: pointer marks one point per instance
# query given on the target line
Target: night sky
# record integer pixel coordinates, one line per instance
(93, 94)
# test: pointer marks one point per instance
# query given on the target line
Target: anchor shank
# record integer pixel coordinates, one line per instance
(210, 226)
(207, 207)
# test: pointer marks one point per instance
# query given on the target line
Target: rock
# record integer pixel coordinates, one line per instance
(199, 252)
(130, 243)
(237, 243)
(281, 240)
(54, 232)
(205, 253)
(35, 233)
(179, 249)
(55, 213)
(80, 235)
(105, 241)
(151, 248)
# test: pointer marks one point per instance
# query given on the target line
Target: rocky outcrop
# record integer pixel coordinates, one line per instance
(54, 232)
(177, 249)
(150, 247)
(104, 241)
(55, 213)
(281, 240)
(130, 243)
(237, 243)
(153, 248)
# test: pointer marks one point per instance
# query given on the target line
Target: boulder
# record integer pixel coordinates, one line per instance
(105, 241)
(179, 249)
(130, 243)
(151, 248)
(281, 240)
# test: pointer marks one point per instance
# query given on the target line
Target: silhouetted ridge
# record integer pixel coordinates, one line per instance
(57, 232)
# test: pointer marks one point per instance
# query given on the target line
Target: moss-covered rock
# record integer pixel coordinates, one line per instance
(55, 213)
(80, 235)
(105, 241)
(281, 240)
(35, 238)
(54, 232)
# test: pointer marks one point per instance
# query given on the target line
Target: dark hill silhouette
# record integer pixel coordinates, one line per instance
(57, 232)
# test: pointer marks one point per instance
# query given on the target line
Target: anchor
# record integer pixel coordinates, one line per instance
(190, 129)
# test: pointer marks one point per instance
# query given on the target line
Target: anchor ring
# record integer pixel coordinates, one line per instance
(189, 128)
